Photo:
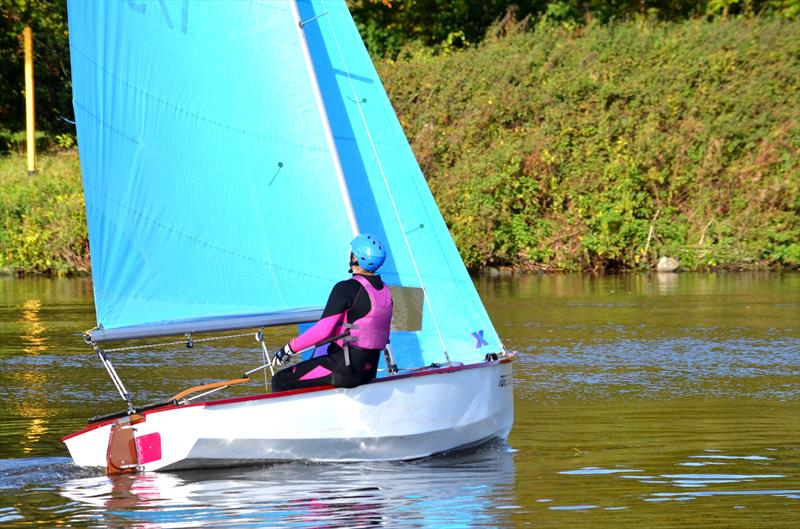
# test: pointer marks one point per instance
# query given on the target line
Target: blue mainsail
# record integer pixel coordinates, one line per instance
(209, 185)
(211, 189)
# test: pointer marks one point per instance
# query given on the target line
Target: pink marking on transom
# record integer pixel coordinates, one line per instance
(148, 447)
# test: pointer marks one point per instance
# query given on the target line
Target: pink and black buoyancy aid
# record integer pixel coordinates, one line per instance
(372, 330)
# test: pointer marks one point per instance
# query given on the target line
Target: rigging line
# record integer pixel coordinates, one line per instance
(388, 190)
(181, 342)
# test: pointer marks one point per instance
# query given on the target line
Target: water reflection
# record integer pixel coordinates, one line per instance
(36, 429)
(34, 339)
(34, 381)
(34, 343)
(466, 490)
(747, 475)
(667, 282)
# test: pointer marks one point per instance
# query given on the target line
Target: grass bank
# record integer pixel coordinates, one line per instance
(42, 217)
(608, 146)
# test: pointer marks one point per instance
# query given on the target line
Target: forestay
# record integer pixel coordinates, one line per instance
(210, 188)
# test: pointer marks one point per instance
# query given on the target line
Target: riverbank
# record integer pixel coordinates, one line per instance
(43, 225)
(557, 148)
(609, 146)
(43, 217)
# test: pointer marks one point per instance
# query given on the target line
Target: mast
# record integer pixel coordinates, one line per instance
(326, 124)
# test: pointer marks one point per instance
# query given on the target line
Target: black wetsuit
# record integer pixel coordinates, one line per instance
(346, 297)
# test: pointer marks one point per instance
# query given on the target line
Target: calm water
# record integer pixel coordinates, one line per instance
(641, 401)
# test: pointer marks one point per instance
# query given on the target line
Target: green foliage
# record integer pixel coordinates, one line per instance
(17, 141)
(65, 140)
(42, 217)
(784, 8)
(48, 22)
(593, 135)
(607, 146)
(389, 26)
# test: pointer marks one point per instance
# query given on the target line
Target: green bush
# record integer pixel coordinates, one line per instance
(607, 146)
(53, 87)
(388, 26)
(42, 217)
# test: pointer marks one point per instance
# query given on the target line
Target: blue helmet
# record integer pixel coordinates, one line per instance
(368, 251)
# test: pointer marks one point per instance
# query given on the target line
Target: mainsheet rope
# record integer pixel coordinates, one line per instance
(388, 190)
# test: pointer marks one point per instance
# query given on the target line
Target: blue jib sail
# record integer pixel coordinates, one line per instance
(211, 189)
(390, 195)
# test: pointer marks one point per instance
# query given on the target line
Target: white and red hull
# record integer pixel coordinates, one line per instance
(394, 418)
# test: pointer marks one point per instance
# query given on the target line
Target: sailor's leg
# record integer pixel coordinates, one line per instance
(362, 368)
(313, 372)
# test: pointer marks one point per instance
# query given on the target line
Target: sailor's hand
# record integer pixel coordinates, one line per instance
(283, 355)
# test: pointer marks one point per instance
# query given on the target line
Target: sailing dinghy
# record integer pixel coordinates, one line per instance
(230, 151)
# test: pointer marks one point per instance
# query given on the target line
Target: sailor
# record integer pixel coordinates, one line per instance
(362, 305)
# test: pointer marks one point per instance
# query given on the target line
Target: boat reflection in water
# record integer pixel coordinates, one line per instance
(469, 489)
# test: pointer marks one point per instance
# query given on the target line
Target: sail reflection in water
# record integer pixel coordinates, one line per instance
(464, 490)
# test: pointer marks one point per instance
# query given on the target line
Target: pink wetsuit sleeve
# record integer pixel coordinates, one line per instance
(324, 328)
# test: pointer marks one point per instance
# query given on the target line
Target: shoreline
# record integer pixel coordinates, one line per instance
(43, 231)
(489, 272)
